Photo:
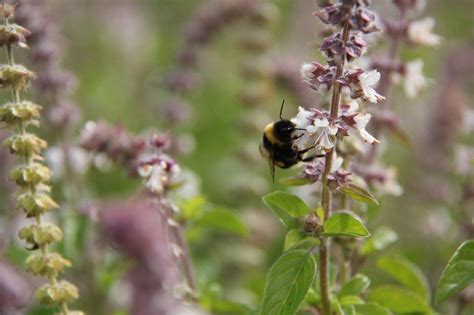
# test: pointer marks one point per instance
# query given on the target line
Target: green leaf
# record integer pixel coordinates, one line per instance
(381, 238)
(192, 207)
(293, 236)
(211, 299)
(458, 274)
(406, 273)
(294, 181)
(399, 300)
(344, 224)
(342, 310)
(287, 207)
(313, 297)
(357, 285)
(295, 239)
(320, 214)
(222, 219)
(359, 194)
(288, 282)
(351, 300)
(371, 309)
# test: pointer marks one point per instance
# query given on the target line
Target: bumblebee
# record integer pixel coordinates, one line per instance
(278, 144)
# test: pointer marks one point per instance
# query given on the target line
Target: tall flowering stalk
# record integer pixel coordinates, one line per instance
(343, 118)
(32, 176)
(334, 132)
(145, 157)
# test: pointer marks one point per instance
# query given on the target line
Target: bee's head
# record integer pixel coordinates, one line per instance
(284, 129)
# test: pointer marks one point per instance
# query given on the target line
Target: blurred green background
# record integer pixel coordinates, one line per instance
(120, 50)
(119, 60)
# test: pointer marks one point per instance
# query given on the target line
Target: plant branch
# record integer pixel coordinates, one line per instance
(385, 88)
(326, 194)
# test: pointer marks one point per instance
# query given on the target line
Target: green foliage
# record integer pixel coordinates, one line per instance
(344, 224)
(399, 300)
(371, 309)
(351, 300)
(212, 300)
(343, 310)
(287, 207)
(288, 282)
(406, 273)
(359, 194)
(357, 285)
(381, 238)
(458, 274)
(294, 181)
(296, 239)
(191, 208)
(222, 219)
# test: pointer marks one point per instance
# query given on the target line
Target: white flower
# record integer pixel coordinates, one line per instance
(389, 185)
(157, 176)
(468, 121)
(437, 223)
(353, 108)
(364, 63)
(303, 118)
(414, 81)
(361, 121)
(319, 131)
(337, 162)
(464, 159)
(420, 32)
(322, 133)
(307, 71)
(367, 81)
(420, 5)
(78, 159)
(189, 184)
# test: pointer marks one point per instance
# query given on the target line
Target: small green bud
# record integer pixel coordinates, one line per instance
(23, 112)
(13, 34)
(25, 145)
(16, 76)
(48, 233)
(56, 294)
(33, 174)
(36, 204)
(49, 264)
(41, 235)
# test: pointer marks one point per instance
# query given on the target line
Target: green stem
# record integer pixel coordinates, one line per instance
(326, 193)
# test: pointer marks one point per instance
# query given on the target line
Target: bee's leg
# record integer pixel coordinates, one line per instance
(312, 157)
(309, 158)
(297, 136)
(305, 150)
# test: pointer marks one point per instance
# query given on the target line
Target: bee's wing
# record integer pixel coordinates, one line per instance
(270, 159)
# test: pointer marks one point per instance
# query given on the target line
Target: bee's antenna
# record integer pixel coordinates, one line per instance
(281, 108)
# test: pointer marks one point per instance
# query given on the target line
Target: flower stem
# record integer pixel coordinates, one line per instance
(384, 88)
(186, 258)
(31, 190)
(326, 193)
(177, 232)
